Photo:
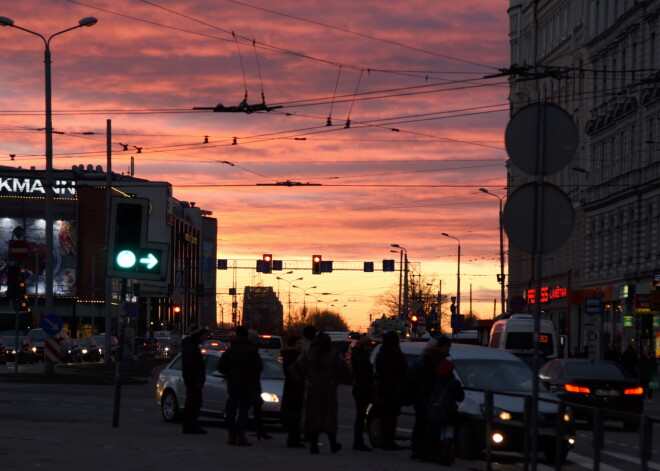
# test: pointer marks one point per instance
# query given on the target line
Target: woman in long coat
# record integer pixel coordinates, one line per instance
(390, 368)
(321, 369)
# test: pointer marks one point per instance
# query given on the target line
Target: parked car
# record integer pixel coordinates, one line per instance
(479, 369)
(171, 392)
(26, 351)
(587, 384)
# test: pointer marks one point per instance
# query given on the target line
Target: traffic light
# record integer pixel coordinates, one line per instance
(16, 288)
(413, 322)
(130, 255)
(267, 263)
(128, 231)
(176, 309)
(388, 265)
(316, 264)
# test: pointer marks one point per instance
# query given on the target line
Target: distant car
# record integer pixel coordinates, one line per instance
(479, 369)
(271, 345)
(3, 353)
(26, 351)
(214, 345)
(74, 351)
(171, 392)
(99, 341)
(587, 384)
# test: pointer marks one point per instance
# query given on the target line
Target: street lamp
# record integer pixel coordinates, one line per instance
(89, 21)
(501, 277)
(403, 313)
(283, 279)
(458, 275)
(304, 296)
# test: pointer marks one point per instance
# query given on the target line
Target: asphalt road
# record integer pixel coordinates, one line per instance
(69, 427)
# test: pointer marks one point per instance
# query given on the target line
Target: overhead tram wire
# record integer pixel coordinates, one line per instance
(279, 135)
(244, 38)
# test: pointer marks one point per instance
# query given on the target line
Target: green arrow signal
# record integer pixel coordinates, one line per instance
(150, 261)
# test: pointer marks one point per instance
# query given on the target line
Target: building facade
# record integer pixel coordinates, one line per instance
(80, 253)
(596, 59)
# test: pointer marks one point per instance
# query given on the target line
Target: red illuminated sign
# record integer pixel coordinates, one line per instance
(547, 294)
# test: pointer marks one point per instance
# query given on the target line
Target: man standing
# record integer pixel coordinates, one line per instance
(194, 376)
(241, 364)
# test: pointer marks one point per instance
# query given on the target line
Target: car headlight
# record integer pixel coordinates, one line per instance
(84, 351)
(269, 397)
(34, 349)
(498, 413)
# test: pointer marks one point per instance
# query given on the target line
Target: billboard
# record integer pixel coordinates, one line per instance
(33, 231)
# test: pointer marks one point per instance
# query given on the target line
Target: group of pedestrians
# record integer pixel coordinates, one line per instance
(313, 371)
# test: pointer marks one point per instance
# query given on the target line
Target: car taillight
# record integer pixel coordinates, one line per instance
(576, 389)
(638, 391)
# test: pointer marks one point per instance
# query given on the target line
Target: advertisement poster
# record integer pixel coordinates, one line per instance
(33, 231)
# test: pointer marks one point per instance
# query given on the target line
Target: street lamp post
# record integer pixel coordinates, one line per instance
(502, 277)
(89, 21)
(458, 275)
(304, 297)
(283, 279)
(404, 313)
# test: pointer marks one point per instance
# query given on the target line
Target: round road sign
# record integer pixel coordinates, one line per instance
(541, 138)
(520, 216)
(18, 250)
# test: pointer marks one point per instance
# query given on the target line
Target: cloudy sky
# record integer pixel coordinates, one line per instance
(387, 108)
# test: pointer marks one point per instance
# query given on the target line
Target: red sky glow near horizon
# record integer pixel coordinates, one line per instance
(426, 128)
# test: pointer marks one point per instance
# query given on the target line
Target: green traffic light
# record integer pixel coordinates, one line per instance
(126, 259)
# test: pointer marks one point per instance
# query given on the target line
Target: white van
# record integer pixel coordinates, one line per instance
(516, 335)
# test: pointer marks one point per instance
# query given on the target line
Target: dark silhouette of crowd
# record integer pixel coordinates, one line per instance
(313, 371)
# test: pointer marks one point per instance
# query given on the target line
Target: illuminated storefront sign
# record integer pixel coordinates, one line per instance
(35, 187)
(547, 294)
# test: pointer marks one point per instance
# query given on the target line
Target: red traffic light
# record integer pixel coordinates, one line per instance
(177, 309)
(316, 264)
(267, 258)
(413, 318)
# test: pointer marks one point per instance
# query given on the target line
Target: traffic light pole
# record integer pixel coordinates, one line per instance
(108, 279)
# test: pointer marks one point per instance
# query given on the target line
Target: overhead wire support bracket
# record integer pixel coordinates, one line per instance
(289, 183)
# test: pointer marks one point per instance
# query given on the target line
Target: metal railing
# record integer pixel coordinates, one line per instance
(598, 414)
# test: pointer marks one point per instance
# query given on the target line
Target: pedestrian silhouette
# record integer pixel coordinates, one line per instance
(321, 369)
(241, 365)
(194, 376)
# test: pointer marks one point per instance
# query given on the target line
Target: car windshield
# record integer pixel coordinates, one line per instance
(594, 370)
(272, 370)
(496, 375)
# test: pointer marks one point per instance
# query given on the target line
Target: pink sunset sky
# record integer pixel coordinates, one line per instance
(426, 128)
